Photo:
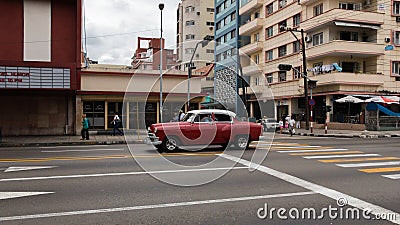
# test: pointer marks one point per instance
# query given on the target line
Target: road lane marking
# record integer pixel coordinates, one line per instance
(25, 168)
(86, 150)
(392, 176)
(302, 147)
(369, 164)
(357, 159)
(333, 194)
(380, 170)
(157, 206)
(118, 174)
(9, 195)
(325, 153)
(338, 156)
(319, 150)
(80, 146)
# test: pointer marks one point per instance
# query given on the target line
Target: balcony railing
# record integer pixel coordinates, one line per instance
(342, 15)
(250, 6)
(251, 26)
(251, 48)
(251, 70)
(345, 48)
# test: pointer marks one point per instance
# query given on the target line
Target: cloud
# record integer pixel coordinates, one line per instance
(112, 27)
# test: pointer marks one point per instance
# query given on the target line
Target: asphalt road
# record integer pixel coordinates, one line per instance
(333, 177)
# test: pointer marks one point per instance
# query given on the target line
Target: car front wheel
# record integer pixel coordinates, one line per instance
(242, 142)
(170, 144)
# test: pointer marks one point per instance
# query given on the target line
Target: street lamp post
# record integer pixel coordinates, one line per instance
(161, 7)
(203, 43)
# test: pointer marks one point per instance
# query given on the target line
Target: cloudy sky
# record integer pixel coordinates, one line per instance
(112, 27)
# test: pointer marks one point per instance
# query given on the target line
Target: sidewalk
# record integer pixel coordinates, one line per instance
(107, 139)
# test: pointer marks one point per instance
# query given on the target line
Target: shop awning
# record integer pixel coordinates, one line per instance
(348, 24)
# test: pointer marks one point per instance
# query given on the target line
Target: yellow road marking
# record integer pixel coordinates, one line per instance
(357, 159)
(326, 153)
(106, 157)
(379, 170)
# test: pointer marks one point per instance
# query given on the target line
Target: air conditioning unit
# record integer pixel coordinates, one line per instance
(397, 18)
(308, 39)
(387, 40)
(197, 55)
(198, 13)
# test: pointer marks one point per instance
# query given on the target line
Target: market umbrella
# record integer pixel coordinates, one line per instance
(384, 99)
(349, 99)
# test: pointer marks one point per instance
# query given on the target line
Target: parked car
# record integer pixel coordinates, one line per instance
(204, 127)
(271, 124)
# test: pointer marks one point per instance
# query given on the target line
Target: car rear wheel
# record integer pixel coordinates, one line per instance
(170, 144)
(242, 142)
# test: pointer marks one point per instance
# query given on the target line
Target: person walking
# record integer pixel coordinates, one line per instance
(292, 123)
(85, 128)
(281, 125)
(116, 123)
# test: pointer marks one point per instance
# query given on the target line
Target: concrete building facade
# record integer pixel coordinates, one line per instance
(195, 20)
(351, 49)
(40, 60)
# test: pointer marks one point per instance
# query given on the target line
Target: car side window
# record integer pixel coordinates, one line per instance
(205, 118)
(222, 118)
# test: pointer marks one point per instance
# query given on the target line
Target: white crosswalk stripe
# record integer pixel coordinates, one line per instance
(319, 150)
(369, 164)
(392, 176)
(338, 156)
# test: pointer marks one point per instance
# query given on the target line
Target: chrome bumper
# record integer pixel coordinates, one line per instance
(152, 139)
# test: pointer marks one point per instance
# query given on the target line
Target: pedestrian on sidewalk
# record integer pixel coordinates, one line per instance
(116, 123)
(85, 128)
(281, 125)
(292, 123)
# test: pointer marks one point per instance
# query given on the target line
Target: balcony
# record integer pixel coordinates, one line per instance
(251, 48)
(345, 48)
(354, 16)
(251, 70)
(251, 26)
(250, 6)
(356, 79)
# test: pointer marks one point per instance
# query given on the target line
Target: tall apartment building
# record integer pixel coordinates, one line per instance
(351, 49)
(226, 78)
(195, 20)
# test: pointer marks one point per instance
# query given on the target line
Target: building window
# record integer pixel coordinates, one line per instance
(282, 3)
(318, 10)
(348, 36)
(270, 32)
(218, 57)
(219, 25)
(282, 51)
(350, 6)
(296, 73)
(219, 9)
(210, 10)
(282, 76)
(190, 36)
(396, 37)
(226, 4)
(209, 50)
(396, 7)
(233, 1)
(270, 9)
(296, 20)
(210, 23)
(227, 20)
(190, 23)
(257, 81)
(256, 15)
(257, 59)
(256, 37)
(233, 16)
(269, 78)
(269, 55)
(396, 68)
(318, 39)
(282, 24)
(233, 34)
(189, 9)
(296, 46)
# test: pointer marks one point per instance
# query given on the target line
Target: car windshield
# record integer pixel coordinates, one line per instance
(189, 117)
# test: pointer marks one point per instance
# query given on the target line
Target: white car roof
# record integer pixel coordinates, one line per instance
(217, 111)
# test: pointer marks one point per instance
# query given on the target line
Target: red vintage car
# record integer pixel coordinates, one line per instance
(204, 127)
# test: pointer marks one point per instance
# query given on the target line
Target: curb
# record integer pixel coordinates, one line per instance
(371, 136)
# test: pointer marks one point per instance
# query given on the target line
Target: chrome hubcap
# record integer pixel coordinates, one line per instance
(242, 142)
(171, 144)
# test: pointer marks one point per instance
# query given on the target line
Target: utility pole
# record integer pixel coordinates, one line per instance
(303, 51)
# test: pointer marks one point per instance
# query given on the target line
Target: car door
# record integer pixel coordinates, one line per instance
(224, 125)
(202, 130)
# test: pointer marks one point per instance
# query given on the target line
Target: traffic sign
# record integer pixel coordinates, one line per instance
(311, 102)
